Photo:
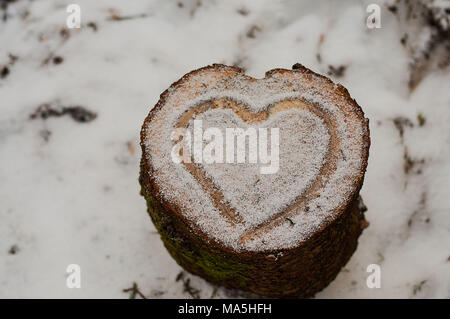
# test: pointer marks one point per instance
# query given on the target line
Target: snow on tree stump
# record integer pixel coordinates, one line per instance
(277, 229)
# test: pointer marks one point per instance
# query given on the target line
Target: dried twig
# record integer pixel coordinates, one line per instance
(134, 291)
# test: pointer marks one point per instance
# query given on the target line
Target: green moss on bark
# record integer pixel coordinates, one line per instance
(209, 263)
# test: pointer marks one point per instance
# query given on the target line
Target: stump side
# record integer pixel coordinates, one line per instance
(300, 271)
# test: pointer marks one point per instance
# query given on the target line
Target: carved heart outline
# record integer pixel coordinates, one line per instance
(249, 117)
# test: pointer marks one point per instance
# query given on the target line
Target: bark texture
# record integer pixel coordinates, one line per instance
(298, 272)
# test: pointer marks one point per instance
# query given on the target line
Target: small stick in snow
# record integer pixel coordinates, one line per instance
(134, 290)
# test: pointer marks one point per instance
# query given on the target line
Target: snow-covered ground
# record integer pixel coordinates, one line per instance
(69, 192)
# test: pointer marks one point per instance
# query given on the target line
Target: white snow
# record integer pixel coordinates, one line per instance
(296, 174)
(75, 198)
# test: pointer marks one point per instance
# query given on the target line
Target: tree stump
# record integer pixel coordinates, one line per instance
(277, 229)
